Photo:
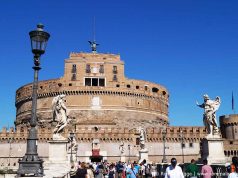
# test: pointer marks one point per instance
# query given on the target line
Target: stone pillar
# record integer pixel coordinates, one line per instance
(213, 150)
(143, 154)
(58, 164)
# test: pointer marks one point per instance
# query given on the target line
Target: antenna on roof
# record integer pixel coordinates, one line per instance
(93, 43)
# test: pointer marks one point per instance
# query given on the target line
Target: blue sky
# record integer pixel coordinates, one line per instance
(188, 46)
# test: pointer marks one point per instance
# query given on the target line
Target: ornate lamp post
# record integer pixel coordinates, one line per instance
(71, 136)
(164, 132)
(31, 164)
(10, 150)
(129, 149)
(182, 143)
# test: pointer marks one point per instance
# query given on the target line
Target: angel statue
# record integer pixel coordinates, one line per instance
(209, 116)
(60, 115)
(121, 148)
(142, 133)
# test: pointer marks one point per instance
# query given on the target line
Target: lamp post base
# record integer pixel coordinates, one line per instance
(30, 167)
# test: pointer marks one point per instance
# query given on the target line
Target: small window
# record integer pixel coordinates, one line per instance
(183, 145)
(101, 69)
(146, 88)
(155, 90)
(231, 142)
(190, 145)
(60, 84)
(128, 86)
(94, 81)
(117, 85)
(102, 82)
(137, 87)
(114, 69)
(115, 78)
(164, 92)
(87, 81)
(73, 77)
(88, 68)
(41, 87)
(70, 84)
(74, 68)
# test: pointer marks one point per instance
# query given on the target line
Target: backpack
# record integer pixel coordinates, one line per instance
(147, 170)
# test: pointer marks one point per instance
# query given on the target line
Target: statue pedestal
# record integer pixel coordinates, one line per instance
(213, 149)
(123, 158)
(58, 164)
(143, 154)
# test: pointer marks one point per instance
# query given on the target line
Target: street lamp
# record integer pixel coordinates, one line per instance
(182, 143)
(71, 136)
(10, 150)
(129, 149)
(31, 164)
(164, 132)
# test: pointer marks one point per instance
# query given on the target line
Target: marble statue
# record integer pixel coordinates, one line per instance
(121, 148)
(60, 115)
(142, 133)
(209, 116)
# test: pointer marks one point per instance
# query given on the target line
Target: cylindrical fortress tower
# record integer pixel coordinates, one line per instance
(229, 126)
(97, 93)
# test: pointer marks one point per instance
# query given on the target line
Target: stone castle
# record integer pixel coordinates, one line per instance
(107, 107)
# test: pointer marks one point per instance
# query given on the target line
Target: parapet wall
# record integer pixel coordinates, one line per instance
(105, 134)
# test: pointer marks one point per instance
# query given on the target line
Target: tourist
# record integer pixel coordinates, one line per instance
(131, 171)
(174, 171)
(90, 170)
(111, 171)
(192, 170)
(99, 171)
(207, 171)
(233, 170)
(232, 167)
(154, 170)
(119, 169)
(82, 171)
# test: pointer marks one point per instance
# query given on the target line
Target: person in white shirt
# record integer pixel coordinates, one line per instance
(174, 171)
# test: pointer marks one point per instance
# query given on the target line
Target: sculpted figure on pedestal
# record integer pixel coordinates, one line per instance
(121, 148)
(209, 116)
(142, 133)
(60, 115)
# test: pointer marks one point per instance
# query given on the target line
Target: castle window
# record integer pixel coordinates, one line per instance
(155, 90)
(88, 68)
(146, 87)
(164, 93)
(87, 81)
(94, 82)
(190, 145)
(183, 145)
(70, 84)
(60, 84)
(128, 86)
(101, 69)
(73, 77)
(117, 85)
(102, 82)
(114, 70)
(137, 87)
(74, 68)
(115, 78)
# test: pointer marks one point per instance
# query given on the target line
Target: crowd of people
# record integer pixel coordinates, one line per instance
(145, 170)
